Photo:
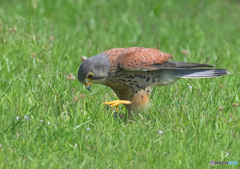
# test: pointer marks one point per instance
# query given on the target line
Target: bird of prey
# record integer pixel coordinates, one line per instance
(133, 72)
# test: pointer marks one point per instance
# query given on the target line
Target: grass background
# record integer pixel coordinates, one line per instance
(49, 121)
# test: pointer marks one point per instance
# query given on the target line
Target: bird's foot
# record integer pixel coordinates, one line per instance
(116, 103)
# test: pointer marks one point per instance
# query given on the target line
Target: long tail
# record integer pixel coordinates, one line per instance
(199, 73)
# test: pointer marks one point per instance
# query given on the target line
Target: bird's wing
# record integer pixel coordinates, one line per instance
(145, 59)
(142, 59)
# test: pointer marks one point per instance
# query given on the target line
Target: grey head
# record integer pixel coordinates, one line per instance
(94, 70)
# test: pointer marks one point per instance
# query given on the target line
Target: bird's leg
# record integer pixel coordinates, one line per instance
(115, 103)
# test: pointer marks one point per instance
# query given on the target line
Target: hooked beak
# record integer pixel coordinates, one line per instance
(88, 85)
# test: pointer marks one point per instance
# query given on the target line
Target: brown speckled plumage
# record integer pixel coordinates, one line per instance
(136, 58)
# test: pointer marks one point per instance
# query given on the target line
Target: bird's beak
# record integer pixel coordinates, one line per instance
(88, 85)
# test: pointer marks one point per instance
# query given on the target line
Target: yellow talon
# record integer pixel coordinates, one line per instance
(117, 108)
(115, 103)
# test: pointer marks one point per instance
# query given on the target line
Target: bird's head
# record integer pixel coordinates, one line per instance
(94, 70)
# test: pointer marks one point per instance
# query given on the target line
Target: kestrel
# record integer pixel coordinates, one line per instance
(133, 72)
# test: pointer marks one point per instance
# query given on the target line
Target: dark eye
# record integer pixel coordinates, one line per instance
(90, 76)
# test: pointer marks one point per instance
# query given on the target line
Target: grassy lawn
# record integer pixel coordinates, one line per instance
(50, 121)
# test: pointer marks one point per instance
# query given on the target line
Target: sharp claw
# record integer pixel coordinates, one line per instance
(116, 103)
(117, 109)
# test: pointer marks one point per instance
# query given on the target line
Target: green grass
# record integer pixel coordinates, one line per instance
(40, 46)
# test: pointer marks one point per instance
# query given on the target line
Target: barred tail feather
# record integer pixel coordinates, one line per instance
(199, 73)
